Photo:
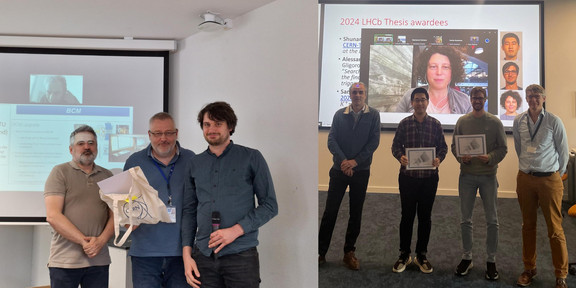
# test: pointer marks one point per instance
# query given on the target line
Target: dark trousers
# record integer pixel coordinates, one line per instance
(241, 270)
(88, 277)
(417, 197)
(337, 187)
(154, 272)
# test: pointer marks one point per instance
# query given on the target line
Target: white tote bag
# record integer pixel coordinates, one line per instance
(133, 201)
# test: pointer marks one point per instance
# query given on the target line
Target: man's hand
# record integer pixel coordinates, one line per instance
(190, 268)
(348, 164)
(466, 159)
(404, 160)
(484, 158)
(436, 162)
(92, 246)
(222, 237)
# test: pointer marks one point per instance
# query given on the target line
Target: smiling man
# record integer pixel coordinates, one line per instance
(417, 187)
(221, 221)
(82, 222)
(542, 148)
(510, 71)
(478, 175)
(156, 250)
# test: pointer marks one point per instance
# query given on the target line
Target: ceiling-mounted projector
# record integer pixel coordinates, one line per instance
(212, 22)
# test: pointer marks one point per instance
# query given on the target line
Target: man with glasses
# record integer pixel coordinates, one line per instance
(82, 222)
(478, 174)
(353, 138)
(510, 72)
(156, 250)
(542, 147)
(417, 187)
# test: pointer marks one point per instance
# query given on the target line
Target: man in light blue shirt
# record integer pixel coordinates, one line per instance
(542, 147)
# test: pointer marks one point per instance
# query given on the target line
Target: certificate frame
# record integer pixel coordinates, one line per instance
(421, 158)
(470, 145)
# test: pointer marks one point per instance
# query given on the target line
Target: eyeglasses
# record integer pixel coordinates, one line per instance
(159, 134)
(419, 100)
(360, 92)
(510, 72)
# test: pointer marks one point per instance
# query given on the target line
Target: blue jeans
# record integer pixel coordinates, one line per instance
(240, 270)
(88, 277)
(416, 197)
(158, 272)
(487, 186)
(337, 187)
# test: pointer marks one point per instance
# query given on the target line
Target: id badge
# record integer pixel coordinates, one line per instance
(531, 149)
(172, 213)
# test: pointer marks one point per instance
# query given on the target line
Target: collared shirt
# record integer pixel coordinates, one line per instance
(413, 134)
(227, 184)
(161, 239)
(540, 146)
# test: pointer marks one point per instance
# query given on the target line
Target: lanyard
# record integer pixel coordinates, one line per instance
(540, 120)
(167, 179)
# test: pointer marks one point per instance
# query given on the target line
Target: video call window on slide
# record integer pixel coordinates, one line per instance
(394, 55)
(56, 89)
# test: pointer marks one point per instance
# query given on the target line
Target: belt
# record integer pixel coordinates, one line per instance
(541, 174)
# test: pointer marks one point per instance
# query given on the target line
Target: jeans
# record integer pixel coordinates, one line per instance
(240, 270)
(88, 277)
(487, 186)
(158, 272)
(337, 187)
(546, 193)
(417, 197)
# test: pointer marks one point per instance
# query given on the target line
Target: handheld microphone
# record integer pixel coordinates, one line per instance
(215, 225)
(215, 220)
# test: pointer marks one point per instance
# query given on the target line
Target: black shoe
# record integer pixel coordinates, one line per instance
(402, 262)
(423, 263)
(491, 272)
(321, 260)
(464, 267)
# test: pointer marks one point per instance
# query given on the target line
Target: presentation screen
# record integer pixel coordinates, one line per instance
(46, 94)
(447, 49)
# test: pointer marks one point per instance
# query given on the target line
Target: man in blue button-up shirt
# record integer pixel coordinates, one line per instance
(542, 147)
(220, 251)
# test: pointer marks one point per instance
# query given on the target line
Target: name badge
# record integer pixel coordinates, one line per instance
(531, 149)
(172, 213)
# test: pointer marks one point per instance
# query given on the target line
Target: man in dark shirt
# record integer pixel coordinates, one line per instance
(417, 187)
(353, 138)
(220, 220)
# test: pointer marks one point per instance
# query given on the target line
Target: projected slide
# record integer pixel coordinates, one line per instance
(45, 94)
(394, 48)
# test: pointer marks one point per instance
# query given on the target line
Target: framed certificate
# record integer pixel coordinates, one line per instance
(420, 158)
(472, 145)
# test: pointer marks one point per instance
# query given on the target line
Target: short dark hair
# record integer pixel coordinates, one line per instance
(456, 63)
(419, 90)
(512, 94)
(508, 64)
(82, 128)
(219, 111)
(477, 90)
(510, 35)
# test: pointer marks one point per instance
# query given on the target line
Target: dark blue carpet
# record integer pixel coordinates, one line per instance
(377, 247)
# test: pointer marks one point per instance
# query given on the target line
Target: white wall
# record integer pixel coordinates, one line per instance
(16, 250)
(266, 67)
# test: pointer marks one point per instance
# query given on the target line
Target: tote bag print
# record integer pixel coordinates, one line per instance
(133, 201)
